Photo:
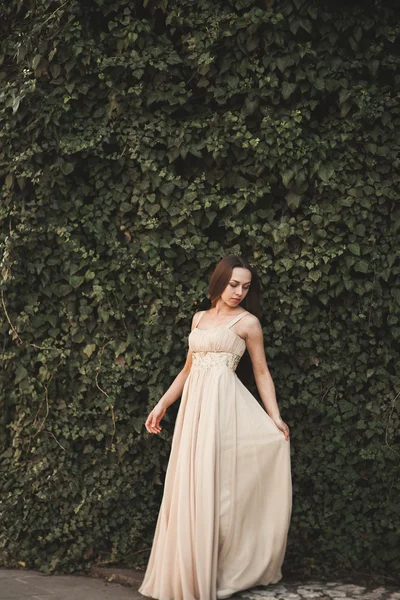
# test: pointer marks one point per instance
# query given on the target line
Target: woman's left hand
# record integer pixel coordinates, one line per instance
(280, 423)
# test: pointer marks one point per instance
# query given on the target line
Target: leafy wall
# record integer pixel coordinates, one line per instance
(141, 142)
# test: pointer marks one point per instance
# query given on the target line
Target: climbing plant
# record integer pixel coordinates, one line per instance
(141, 142)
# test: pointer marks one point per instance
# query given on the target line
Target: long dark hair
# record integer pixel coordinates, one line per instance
(252, 302)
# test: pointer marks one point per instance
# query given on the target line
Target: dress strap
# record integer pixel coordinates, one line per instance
(198, 320)
(236, 319)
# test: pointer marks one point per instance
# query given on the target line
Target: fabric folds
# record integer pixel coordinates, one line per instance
(226, 507)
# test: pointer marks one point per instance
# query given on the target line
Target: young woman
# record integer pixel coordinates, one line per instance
(226, 508)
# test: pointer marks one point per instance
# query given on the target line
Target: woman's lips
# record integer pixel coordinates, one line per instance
(236, 299)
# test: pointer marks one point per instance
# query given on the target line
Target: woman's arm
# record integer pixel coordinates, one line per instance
(172, 394)
(175, 389)
(264, 382)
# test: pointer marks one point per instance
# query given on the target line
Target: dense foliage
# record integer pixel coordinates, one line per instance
(141, 142)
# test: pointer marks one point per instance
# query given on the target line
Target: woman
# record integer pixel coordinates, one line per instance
(226, 508)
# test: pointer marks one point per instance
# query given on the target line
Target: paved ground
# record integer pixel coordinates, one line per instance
(332, 590)
(16, 584)
(30, 585)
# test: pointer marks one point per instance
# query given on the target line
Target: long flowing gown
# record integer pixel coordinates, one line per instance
(227, 502)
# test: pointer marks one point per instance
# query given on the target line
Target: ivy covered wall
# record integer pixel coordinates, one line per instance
(141, 142)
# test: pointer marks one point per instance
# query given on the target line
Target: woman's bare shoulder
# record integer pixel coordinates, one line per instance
(251, 320)
(251, 325)
(195, 317)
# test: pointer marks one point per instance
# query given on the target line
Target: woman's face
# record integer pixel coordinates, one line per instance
(238, 287)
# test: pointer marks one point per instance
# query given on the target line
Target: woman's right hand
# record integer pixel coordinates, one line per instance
(153, 420)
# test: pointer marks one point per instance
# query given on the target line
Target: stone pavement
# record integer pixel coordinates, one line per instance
(23, 584)
(16, 584)
(331, 590)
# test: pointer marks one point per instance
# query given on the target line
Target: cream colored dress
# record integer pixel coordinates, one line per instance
(226, 508)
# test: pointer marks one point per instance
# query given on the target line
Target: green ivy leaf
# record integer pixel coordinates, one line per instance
(361, 266)
(354, 249)
(89, 349)
(76, 280)
(287, 176)
(21, 373)
(395, 292)
(36, 61)
(315, 275)
(293, 200)
(67, 168)
(325, 173)
(288, 89)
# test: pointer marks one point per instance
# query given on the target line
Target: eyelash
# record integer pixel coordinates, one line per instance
(232, 285)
